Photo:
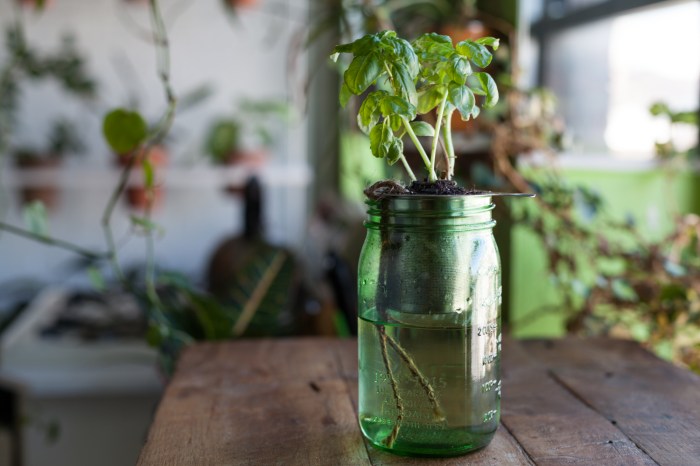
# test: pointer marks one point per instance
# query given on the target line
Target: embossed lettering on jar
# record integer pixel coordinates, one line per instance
(429, 325)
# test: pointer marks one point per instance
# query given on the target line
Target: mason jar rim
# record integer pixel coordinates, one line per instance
(429, 211)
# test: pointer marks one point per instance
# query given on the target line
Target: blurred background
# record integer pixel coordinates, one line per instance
(245, 219)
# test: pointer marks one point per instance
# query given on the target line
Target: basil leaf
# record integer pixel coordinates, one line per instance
(488, 86)
(345, 94)
(459, 68)
(362, 72)
(380, 139)
(404, 53)
(433, 44)
(369, 112)
(422, 128)
(490, 41)
(403, 83)
(394, 105)
(463, 100)
(396, 123)
(362, 46)
(477, 53)
(395, 151)
(429, 99)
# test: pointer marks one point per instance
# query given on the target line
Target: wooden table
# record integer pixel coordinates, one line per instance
(293, 402)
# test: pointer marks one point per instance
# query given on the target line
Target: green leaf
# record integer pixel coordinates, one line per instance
(361, 46)
(403, 84)
(403, 53)
(477, 53)
(345, 94)
(395, 151)
(394, 105)
(380, 139)
(363, 72)
(369, 112)
(433, 44)
(421, 128)
(459, 68)
(463, 100)
(124, 130)
(429, 99)
(148, 173)
(396, 123)
(490, 41)
(96, 278)
(36, 219)
(488, 86)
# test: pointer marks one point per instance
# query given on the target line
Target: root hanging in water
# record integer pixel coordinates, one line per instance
(438, 413)
(391, 438)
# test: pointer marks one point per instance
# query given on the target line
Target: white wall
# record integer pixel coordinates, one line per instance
(246, 55)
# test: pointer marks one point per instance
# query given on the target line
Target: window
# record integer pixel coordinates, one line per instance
(608, 67)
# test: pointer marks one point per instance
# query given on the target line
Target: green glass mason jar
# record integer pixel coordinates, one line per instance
(429, 325)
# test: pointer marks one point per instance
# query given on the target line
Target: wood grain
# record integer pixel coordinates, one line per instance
(656, 404)
(265, 402)
(294, 402)
(551, 424)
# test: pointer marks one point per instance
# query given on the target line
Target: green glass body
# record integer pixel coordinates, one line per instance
(429, 329)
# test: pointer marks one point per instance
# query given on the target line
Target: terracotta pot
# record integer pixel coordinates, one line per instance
(140, 197)
(241, 3)
(47, 194)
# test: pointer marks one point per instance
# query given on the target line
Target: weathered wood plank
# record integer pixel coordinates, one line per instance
(503, 450)
(655, 404)
(264, 402)
(552, 425)
(295, 402)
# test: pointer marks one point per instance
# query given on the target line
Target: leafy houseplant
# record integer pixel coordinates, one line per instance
(429, 75)
(242, 138)
(429, 273)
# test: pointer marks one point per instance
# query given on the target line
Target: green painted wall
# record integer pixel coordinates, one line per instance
(652, 197)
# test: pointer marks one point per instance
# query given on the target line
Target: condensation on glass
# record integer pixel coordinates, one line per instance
(429, 325)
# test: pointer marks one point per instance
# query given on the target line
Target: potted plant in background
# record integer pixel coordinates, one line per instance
(142, 193)
(429, 273)
(63, 141)
(244, 139)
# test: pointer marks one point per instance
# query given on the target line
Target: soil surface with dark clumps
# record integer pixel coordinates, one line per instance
(442, 187)
(384, 188)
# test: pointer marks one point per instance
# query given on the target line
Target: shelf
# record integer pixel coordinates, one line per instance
(293, 175)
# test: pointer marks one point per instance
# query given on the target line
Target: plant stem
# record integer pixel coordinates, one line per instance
(449, 146)
(107, 218)
(419, 146)
(408, 168)
(160, 38)
(391, 438)
(436, 138)
(51, 241)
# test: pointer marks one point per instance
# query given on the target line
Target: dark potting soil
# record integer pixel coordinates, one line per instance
(440, 187)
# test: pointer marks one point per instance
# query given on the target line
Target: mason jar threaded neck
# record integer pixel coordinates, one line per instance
(455, 212)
